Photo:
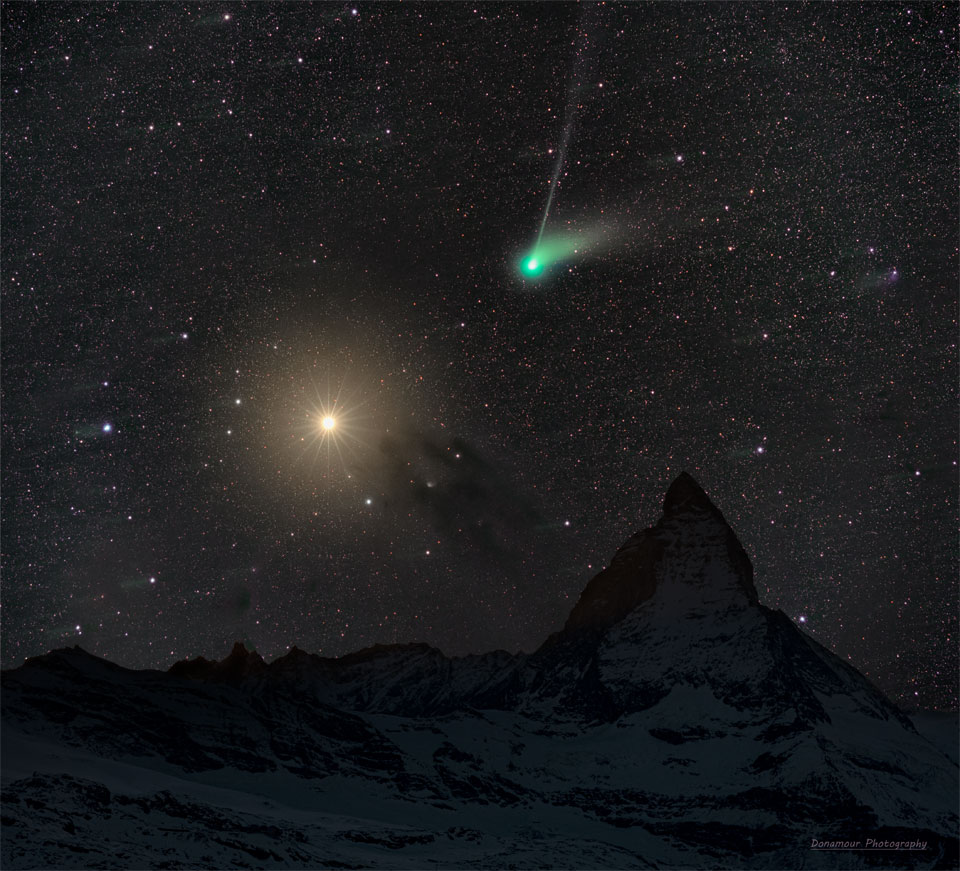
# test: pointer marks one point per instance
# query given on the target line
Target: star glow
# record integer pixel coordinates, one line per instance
(332, 429)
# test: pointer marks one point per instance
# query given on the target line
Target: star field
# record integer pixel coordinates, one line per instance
(224, 223)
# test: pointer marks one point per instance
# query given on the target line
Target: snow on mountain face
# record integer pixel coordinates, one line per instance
(677, 554)
(673, 722)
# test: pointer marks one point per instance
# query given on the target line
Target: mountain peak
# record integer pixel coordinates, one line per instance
(237, 665)
(691, 532)
(242, 661)
(686, 494)
(239, 651)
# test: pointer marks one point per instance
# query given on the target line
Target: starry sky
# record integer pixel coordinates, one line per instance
(224, 222)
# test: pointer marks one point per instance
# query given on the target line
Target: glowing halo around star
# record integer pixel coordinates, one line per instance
(332, 429)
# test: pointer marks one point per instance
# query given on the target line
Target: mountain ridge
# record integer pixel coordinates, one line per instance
(673, 720)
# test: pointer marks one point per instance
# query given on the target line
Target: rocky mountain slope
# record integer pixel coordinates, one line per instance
(673, 721)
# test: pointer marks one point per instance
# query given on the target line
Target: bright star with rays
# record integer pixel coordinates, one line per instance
(333, 429)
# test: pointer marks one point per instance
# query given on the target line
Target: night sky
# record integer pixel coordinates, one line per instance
(223, 223)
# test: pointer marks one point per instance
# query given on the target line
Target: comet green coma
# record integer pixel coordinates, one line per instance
(551, 249)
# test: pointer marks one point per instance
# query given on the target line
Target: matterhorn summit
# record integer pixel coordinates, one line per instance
(691, 556)
(673, 721)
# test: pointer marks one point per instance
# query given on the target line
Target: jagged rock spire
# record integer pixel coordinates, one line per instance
(636, 569)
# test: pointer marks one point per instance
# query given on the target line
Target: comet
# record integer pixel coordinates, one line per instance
(556, 248)
(546, 251)
(557, 169)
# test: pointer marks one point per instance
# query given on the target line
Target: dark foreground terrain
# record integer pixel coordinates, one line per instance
(673, 722)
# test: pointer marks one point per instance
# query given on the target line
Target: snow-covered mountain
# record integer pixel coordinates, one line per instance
(673, 722)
